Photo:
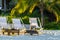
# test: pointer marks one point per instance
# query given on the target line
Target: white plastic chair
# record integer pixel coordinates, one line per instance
(3, 22)
(17, 24)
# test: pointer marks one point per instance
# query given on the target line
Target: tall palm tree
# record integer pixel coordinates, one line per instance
(4, 5)
(50, 5)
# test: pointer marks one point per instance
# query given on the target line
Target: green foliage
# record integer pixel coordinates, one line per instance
(25, 19)
(9, 19)
(52, 26)
(12, 3)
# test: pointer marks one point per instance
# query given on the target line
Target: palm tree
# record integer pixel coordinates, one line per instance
(50, 5)
(4, 5)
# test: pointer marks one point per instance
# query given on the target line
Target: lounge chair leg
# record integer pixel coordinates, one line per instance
(18, 33)
(8, 33)
(3, 33)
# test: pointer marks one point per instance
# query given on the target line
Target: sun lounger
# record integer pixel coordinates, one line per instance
(33, 23)
(17, 24)
(3, 22)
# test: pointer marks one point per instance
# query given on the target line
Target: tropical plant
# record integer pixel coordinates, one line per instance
(50, 5)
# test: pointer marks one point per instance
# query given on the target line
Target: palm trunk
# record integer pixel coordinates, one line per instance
(42, 17)
(4, 5)
(0, 4)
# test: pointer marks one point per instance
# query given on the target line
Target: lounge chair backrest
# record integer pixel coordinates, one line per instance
(33, 21)
(3, 22)
(17, 23)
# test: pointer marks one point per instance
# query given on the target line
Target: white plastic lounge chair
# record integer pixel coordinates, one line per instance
(33, 23)
(17, 24)
(3, 22)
